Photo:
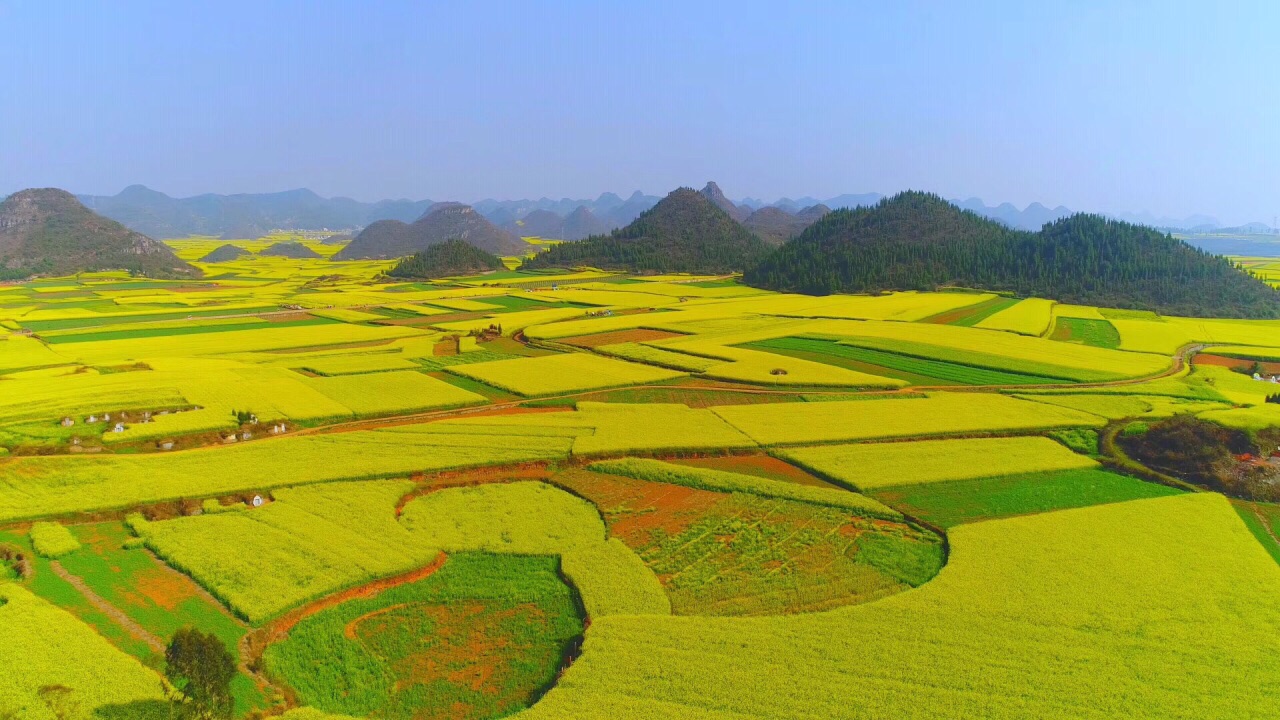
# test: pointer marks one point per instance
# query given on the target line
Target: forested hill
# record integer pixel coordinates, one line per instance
(918, 241)
(446, 259)
(684, 232)
(442, 221)
(48, 232)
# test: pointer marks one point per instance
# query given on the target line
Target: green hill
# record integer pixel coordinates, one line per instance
(684, 232)
(294, 250)
(918, 241)
(449, 258)
(225, 253)
(441, 222)
(49, 232)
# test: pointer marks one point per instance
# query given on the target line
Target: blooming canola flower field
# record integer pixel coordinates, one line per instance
(742, 504)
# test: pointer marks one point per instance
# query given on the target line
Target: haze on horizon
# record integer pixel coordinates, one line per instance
(1166, 107)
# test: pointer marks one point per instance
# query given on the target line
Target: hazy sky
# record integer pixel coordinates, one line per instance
(1163, 106)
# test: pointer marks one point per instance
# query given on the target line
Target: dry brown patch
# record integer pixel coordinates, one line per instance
(762, 466)
(637, 509)
(162, 588)
(1270, 368)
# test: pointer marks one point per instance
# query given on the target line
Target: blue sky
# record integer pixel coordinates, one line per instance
(1170, 107)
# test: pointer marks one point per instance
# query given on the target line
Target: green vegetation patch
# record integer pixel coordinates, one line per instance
(482, 637)
(1098, 333)
(1263, 520)
(144, 332)
(972, 314)
(155, 596)
(74, 323)
(440, 362)
(1044, 372)
(1081, 440)
(918, 370)
(963, 501)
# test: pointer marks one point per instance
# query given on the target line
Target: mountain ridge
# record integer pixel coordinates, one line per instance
(684, 232)
(47, 231)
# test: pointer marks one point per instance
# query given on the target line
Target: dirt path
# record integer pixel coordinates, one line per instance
(1265, 525)
(254, 643)
(106, 608)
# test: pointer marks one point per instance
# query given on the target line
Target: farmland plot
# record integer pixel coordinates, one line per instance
(866, 466)
(736, 553)
(1029, 317)
(41, 486)
(43, 646)
(561, 373)
(479, 638)
(1089, 583)
(939, 414)
(952, 503)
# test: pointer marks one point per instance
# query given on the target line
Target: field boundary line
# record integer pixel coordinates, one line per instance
(116, 614)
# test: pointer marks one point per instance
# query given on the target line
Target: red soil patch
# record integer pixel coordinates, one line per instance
(286, 317)
(762, 466)
(281, 626)
(1270, 368)
(636, 509)
(462, 649)
(473, 476)
(162, 588)
(618, 336)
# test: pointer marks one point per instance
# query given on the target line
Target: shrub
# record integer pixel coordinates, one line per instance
(52, 540)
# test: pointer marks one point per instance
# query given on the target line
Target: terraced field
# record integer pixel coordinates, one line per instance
(591, 496)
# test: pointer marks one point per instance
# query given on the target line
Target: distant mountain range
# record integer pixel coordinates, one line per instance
(252, 215)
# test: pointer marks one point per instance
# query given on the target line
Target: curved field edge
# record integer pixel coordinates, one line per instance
(1161, 608)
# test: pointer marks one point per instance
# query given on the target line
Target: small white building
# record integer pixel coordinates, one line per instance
(119, 428)
(67, 422)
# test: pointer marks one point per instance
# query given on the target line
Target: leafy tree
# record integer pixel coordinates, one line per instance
(199, 666)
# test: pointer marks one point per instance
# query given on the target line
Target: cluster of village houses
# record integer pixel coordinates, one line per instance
(146, 417)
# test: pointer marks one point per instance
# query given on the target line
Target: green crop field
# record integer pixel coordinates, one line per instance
(483, 635)
(641, 497)
(962, 501)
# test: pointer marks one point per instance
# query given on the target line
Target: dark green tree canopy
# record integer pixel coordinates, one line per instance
(918, 241)
(451, 257)
(201, 668)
